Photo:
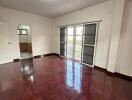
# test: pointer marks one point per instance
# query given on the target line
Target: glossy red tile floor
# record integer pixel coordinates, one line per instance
(54, 78)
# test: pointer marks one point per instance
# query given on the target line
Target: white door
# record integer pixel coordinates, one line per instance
(5, 54)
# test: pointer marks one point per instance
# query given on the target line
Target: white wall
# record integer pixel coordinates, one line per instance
(98, 12)
(40, 30)
(46, 38)
(111, 14)
(124, 61)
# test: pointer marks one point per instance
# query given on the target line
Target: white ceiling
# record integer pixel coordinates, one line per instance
(49, 8)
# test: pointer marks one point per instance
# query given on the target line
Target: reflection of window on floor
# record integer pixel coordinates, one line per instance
(73, 75)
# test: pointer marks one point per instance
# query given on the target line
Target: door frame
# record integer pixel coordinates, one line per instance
(9, 43)
(74, 41)
(19, 40)
(95, 46)
(96, 37)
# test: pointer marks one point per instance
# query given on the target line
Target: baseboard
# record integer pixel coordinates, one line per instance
(116, 74)
(123, 76)
(27, 59)
(51, 54)
(16, 60)
(99, 68)
(37, 56)
(104, 70)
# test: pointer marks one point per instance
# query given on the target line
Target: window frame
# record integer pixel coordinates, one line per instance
(20, 31)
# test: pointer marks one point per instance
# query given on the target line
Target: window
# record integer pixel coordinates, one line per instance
(22, 32)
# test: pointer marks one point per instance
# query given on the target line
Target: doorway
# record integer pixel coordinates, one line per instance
(74, 41)
(25, 41)
(79, 42)
(70, 42)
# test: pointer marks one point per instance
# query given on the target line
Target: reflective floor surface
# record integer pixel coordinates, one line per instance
(55, 78)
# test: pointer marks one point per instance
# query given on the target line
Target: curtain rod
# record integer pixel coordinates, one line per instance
(80, 23)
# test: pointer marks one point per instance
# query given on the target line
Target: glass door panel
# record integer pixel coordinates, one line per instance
(88, 53)
(79, 30)
(63, 40)
(78, 42)
(70, 40)
(78, 48)
(79, 39)
(89, 43)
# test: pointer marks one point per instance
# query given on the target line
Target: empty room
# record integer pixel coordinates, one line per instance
(65, 50)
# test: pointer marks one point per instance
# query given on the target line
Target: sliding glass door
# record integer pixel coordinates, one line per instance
(89, 38)
(70, 42)
(74, 42)
(63, 41)
(79, 42)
